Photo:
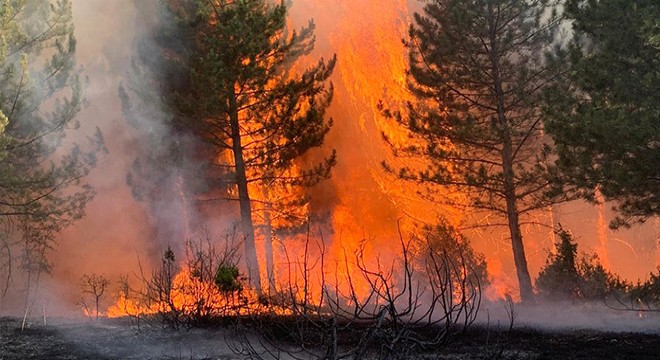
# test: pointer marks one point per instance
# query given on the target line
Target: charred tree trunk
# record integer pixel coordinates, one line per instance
(247, 227)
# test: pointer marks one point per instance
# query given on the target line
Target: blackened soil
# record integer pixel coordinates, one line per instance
(535, 344)
(107, 339)
(120, 340)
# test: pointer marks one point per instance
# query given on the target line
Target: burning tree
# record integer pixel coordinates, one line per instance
(477, 69)
(41, 188)
(230, 84)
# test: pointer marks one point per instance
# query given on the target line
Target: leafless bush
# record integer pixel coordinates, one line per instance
(213, 286)
(498, 338)
(415, 304)
(92, 287)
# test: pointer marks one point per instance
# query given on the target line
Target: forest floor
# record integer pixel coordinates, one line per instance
(118, 339)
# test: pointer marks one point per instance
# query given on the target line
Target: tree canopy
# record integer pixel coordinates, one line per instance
(604, 113)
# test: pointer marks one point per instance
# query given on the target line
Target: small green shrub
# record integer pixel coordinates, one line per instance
(559, 279)
(227, 279)
(566, 278)
(596, 283)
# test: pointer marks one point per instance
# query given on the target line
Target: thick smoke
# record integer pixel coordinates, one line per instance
(108, 239)
(120, 235)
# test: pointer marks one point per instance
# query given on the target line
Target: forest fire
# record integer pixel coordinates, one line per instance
(372, 206)
(330, 179)
(370, 209)
(369, 204)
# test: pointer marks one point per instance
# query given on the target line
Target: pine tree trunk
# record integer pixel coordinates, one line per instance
(524, 280)
(268, 243)
(519, 258)
(512, 214)
(268, 240)
(247, 227)
(601, 231)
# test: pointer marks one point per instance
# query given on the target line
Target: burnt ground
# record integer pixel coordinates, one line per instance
(118, 339)
(576, 344)
(107, 339)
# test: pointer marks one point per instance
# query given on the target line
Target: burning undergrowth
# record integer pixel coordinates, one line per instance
(421, 300)
(418, 303)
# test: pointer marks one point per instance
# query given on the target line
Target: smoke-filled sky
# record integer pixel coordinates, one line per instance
(107, 240)
(366, 35)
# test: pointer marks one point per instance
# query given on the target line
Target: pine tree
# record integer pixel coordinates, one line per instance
(560, 279)
(230, 83)
(41, 187)
(604, 113)
(476, 68)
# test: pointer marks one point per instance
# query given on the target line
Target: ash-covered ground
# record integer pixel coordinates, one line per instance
(119, 339)
(107, 339)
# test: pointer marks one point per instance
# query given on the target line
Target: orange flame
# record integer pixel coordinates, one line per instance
(188, 295)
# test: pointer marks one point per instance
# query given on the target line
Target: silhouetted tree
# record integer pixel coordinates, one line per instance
(92, 287)
(559, 279)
